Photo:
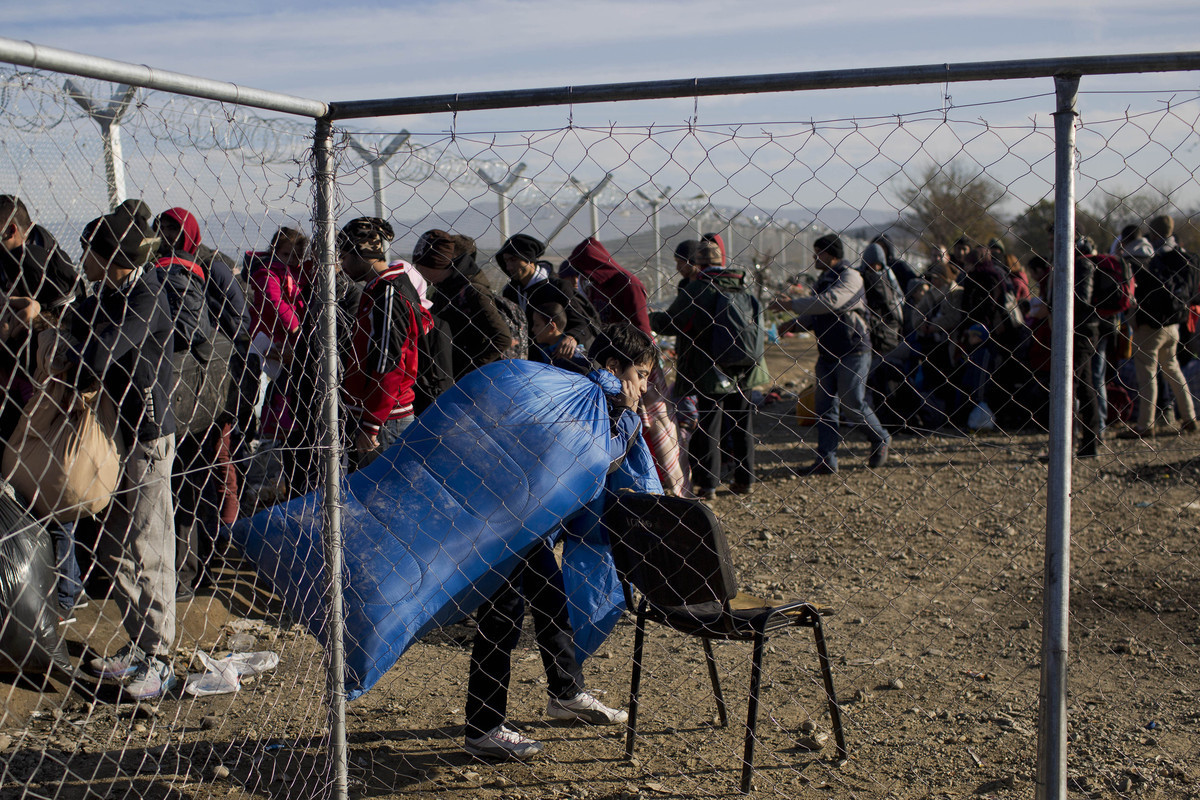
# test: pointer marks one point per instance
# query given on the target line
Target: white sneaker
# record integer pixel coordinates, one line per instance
(503, 742)
(153, 678)
(585, 708)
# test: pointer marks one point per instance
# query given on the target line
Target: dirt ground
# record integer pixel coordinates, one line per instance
(934, 568)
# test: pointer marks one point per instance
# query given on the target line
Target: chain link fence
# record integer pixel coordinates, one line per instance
(928, 564)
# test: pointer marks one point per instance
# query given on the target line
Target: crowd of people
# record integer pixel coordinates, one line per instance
(203, 358)
(966, 343)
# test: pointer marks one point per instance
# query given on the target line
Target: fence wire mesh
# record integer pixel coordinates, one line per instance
(924, 557)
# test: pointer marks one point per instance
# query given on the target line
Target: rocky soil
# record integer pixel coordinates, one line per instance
(934, 568)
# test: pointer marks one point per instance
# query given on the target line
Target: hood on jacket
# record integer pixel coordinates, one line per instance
(191, 228)
(716, 239)
(593, 261)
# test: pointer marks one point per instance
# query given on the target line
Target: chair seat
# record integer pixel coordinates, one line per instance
(747, 615)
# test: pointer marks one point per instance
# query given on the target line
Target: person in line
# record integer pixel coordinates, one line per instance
(620, 296)
(475, 331)
(836, 313)
(121, 338)
(722, 395)
(630, 355)
(206, 482)
(531, 283)
(1160, 307)
(390, 321)
(38, 280)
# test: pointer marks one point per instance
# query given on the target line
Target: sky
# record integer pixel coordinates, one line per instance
(360, 49)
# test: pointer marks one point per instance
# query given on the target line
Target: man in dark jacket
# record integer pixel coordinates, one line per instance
(37, 278)
(1083, 345)
(463, 300)
(885, 314)
(122, 341)
(720, 394)
(532, 284)
(836, 312)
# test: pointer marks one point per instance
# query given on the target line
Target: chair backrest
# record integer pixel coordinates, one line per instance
(672, 549)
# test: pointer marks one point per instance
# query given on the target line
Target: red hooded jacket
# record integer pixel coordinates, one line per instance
(616, 292)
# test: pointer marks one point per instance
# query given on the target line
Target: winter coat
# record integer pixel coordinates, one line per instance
(123, 338)
(617, 294)
(837, 311)
(479, 333)
(689, 319)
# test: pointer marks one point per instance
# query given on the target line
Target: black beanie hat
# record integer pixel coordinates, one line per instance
(830, 243)
(124, 237)
(367, 236)
(523, 246)
(687, 250)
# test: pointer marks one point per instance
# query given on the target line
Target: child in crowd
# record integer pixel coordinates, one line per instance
(548, 326)
(630, 355)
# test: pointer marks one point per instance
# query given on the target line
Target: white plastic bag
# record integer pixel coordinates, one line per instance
(982, 418)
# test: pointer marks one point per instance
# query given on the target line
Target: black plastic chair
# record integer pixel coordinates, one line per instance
(675, 553)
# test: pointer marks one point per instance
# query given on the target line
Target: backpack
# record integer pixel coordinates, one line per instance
(1179, 273)
(184, 282)
(737, 336)
(1112, 284)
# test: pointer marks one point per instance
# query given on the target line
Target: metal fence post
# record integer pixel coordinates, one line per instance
(1052, 697)
(324, 242)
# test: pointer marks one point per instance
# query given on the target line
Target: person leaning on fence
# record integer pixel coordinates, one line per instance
(38, 282)
(390, 321)
(722, 388)
(836, 313)
(629, 355)
(1165, 287)
(121, 338)
(205, 479)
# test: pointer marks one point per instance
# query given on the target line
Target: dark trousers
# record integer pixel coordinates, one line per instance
(539, 579)
(704, 448)
(206, 488)
(1087, 417)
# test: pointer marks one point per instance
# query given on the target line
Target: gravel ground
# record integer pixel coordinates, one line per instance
(933, 566)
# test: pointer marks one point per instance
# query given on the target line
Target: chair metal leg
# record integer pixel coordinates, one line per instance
(760, 640)
(635, 680)
(835, 710)
(715, 679)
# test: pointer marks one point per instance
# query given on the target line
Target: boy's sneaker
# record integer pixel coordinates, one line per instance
(503, 742)
(120, 664)
(152, 679)
(585, 708)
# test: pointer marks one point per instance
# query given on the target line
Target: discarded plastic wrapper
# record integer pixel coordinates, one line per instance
(223, 676)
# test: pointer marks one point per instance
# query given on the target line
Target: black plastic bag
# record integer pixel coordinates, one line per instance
(29, 640)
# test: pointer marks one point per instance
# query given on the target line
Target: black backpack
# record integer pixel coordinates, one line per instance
(1112, 284)
(1179, 273)
(737, 339)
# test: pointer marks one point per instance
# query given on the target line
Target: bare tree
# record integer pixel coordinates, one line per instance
(952, 200)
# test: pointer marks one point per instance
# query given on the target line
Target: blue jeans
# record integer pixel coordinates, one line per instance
(65, 563)
(842, 390)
